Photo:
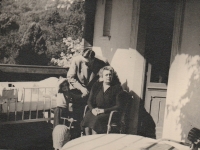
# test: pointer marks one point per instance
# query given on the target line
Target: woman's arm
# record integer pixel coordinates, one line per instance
(91, 96)
(117, 104)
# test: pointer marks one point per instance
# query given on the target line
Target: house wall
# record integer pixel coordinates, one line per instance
(183, 96)
(121, 49)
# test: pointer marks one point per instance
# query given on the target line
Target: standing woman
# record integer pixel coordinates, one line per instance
(102, 100)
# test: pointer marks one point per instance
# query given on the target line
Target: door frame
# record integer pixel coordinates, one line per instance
(176, 39)
(175, 49)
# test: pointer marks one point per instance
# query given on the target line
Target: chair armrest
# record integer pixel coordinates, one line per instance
(85, 110)
(70, 120)
(110, 119)
(110, 116)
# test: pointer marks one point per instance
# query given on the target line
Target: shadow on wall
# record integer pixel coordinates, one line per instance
(145, 124)
(184, 105)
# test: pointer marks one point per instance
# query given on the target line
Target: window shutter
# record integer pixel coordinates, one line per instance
(107, 18)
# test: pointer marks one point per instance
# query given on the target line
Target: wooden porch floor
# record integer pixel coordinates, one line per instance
(33, 136)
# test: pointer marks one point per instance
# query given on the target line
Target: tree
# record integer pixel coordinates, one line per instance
(54, 18)
(35, 29)
(9, 38)
(33, 47)
(9, 48)
(8, 23)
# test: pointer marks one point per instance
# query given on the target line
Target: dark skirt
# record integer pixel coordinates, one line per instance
(97, 123)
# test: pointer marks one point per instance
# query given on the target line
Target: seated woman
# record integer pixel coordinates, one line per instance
(102, 100)
(62, 100)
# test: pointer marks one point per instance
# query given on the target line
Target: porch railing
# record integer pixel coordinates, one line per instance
(27, 105)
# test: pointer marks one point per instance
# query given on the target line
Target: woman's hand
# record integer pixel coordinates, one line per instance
(100, 111)
(95, 111)
(84, 91)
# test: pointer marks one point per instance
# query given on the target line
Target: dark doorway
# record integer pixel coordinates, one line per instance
(160, 22)
(158, 42)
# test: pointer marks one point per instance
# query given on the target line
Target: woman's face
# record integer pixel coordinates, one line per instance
(107, 76)
(64, 87)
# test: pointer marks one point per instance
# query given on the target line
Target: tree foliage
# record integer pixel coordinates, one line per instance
(33, 47)
(9, 48)
(8, 23)
(37, 28)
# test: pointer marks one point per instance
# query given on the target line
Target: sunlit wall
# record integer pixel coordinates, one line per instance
(183, 94)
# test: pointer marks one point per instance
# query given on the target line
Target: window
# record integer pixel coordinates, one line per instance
(107, 18)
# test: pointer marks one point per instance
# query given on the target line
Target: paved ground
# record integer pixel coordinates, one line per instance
(26, 136)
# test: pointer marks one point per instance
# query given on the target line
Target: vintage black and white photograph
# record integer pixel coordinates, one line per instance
(99, 74)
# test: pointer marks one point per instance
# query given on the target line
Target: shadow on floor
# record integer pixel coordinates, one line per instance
(32, 136)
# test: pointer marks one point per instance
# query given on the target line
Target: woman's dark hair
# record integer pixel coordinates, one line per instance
(61, 84)
(88, 53)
